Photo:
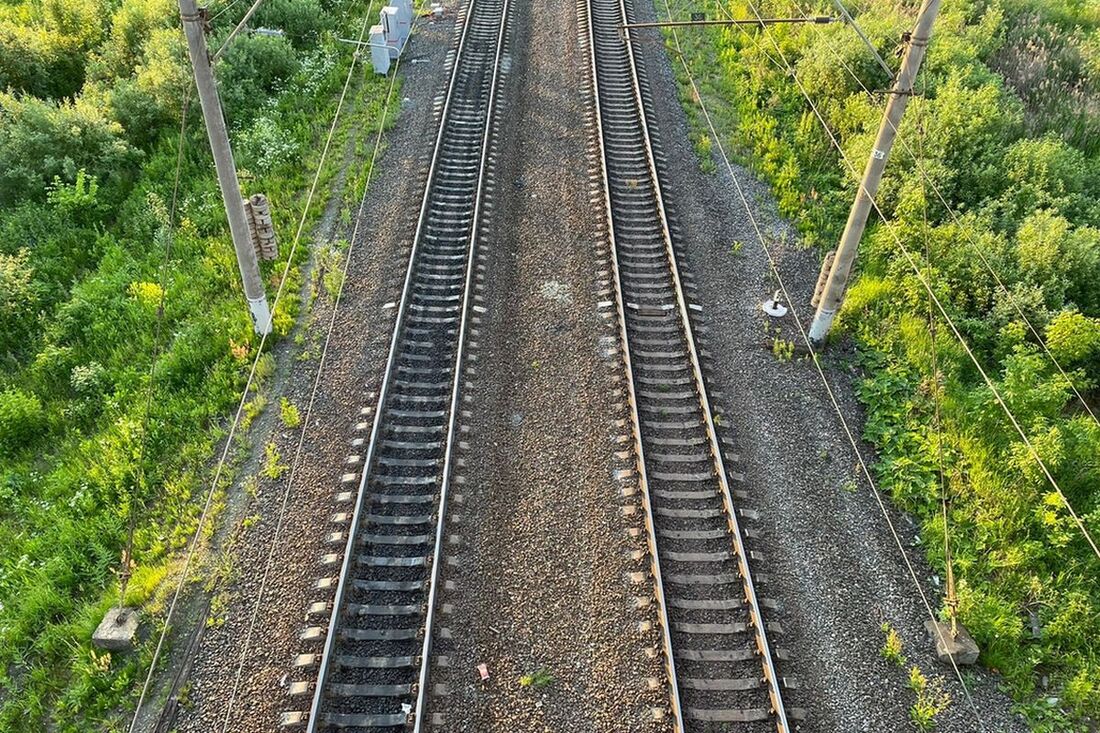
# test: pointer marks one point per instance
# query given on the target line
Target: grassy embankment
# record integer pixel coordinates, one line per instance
(89, 126)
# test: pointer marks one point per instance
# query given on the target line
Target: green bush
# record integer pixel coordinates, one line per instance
(87, 174)
(41, 141)
(301, 20)
(254, 68)
(1074, 339)
(19, 294)
(22, 419)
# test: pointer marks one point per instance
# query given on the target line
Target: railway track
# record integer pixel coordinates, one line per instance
(720, 662)
(373, 671)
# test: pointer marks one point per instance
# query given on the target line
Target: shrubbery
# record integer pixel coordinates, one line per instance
(21, 419)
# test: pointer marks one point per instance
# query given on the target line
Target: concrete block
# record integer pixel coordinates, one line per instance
(380, 60)
(391, 26)
(961, 647)
(405, 13)
(117, 630)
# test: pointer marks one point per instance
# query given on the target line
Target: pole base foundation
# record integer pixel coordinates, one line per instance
(261, 315)
(961, 647)
(819, 329)
(117, 630)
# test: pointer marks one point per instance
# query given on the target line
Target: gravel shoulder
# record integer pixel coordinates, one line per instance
(352, 369)
(541, 575)
(829, 554)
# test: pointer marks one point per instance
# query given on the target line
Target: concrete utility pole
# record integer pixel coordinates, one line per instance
(194, 21)
(833, 293)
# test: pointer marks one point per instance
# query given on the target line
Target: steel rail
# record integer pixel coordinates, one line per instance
(639, 450)
(740, 552)
(456, 388)
(387, 382)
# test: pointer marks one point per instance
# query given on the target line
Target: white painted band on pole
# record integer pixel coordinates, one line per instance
(261, 315)
(823, 321)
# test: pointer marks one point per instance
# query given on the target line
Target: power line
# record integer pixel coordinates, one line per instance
(930, 180)
(313, 393)
(224, 10)
(951, 602)
(939, 305)
(193, 545)
(822, 376)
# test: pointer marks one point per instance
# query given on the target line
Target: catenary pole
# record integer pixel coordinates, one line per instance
(194, 22)
(833, 293)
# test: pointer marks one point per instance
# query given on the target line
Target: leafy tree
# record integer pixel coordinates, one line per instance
(44, 53)
(40, 141)
(132, 24)
(35, 61)
(78, 20)
(164, 71)
(252, 69)
(151, 100)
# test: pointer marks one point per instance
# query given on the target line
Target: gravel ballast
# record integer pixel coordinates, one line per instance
(541, 579)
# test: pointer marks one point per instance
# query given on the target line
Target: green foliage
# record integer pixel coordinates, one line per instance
(42, 141)
(892, 647)
(150, 100)
(288, 411)
(931, 700)
(132, 26)
(1045, 173)
(35, 62)
(301, 20)
(90, 97)
(273, 465)
(21, 419)
(45, 55)
(253, 69)
(537, 680)
(783, 349)
(1073, 339)
(19, 294)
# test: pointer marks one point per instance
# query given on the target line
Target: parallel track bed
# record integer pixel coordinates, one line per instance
(720, 664)
(373, 671)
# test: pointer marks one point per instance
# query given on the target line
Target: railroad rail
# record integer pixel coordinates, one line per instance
(373, 671)
(720, 663)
